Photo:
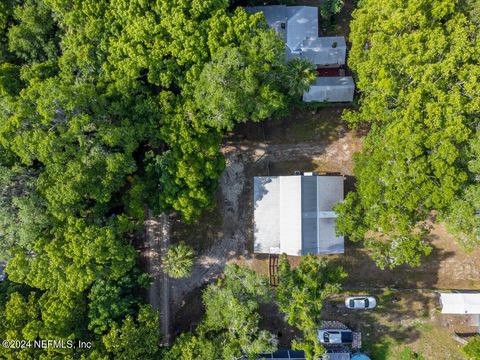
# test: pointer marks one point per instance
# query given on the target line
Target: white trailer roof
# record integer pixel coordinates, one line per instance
(293, 214)
(331, 89)
(460, 303)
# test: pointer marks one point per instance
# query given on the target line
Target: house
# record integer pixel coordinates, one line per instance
(460, 303)
(331, 89)
(298, 27)
(466, 303)
(294, 214)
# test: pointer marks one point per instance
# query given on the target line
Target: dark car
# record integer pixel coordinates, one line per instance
(335, 336)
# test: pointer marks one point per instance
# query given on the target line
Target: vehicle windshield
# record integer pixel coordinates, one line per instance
(366, 302)
(326, 337)
(352, 303)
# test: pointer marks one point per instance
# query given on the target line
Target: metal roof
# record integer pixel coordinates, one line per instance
(460, 303)
(294, 214)
(284, 354)
(299, 22)
(328, 50)
(331, 89)
(275, 15)
(302, 24)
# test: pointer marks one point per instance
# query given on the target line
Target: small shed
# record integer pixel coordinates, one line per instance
(331, 89)
(460, 303)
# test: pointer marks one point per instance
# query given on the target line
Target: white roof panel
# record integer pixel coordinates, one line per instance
(329, 50)
(266, 204)
(460, 303)
(291, 215)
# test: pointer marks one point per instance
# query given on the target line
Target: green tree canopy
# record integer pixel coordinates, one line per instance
(230, 327)
(179, 260)
(472, 349)
(300, 296)
(135, 338)
(417, 67)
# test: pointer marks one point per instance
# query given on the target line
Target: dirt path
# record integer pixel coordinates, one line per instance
(157, 231)
(230, 241)
(325, 151)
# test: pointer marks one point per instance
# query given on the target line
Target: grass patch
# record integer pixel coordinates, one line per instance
(409, 354)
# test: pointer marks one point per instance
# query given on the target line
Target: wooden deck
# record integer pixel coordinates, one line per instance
(273, 260)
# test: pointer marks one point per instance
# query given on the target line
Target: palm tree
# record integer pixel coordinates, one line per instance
(179, 260)
(300, 75)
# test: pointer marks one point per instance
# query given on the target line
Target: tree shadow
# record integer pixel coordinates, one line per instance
(301, 124)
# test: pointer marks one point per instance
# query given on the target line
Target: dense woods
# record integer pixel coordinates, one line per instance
(417, 64)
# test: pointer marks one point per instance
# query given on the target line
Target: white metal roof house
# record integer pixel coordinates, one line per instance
(298, 26)
(294, 214)
(460, 303)
(331, 89)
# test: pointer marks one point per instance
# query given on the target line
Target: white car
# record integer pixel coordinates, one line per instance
(360, 302)
(335, 336)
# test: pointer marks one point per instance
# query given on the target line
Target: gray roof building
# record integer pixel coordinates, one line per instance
(294, 214)
(331, 89)
(298, 26)
(294, 23)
